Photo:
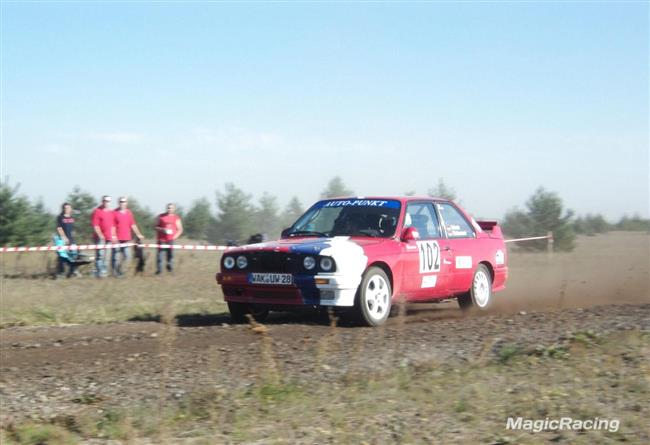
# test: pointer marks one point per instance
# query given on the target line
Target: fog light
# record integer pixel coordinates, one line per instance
(327, 295)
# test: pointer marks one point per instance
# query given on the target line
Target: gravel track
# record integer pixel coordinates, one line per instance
(49, 371)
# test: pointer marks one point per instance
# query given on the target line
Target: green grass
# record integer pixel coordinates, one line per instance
(431, 403)
(507, 352)
(41, 434)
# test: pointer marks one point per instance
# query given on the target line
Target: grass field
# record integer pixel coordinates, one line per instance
(604, 269)
(40, 300)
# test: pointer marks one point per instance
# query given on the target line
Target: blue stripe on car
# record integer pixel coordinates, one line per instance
(308, 290)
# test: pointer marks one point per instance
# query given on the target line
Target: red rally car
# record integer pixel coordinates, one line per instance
(366, 253)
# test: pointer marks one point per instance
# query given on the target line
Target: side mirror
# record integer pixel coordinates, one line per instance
(410, 234)
(284, 232)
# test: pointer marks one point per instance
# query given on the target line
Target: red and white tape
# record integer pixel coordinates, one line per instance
(527, 239)
(199, 247)
(110, 246)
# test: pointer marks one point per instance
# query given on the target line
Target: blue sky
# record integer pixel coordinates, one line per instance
(169, 101)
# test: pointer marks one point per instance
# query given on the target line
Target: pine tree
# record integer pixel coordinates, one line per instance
(199, 220)
(442, 190)
(544, 214)
(23, 223)
(266, 219)
(234, 216)
(336, 188)
(292, 212)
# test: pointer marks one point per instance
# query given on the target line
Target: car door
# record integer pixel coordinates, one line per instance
(426, 265)
(460, 246)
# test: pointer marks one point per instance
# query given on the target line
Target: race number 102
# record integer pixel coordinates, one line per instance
(429, 256)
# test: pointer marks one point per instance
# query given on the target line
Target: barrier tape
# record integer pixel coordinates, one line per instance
(112, 246)
(527, 239)
(162, 246)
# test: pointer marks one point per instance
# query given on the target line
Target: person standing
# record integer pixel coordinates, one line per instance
(65, 232)
(124, 224)
(103, 225)
(168, 227)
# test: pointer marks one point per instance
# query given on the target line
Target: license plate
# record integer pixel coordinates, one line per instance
(282, 279)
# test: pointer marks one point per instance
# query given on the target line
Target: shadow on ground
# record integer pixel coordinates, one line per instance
(414, 313)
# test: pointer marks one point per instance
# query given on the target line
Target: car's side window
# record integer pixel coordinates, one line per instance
(422, 216)
(454, 222)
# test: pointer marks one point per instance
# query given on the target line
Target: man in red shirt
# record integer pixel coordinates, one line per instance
(103, 233)
(169, 228)
(124, 224)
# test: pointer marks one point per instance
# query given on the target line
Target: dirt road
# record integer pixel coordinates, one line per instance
(49, 371)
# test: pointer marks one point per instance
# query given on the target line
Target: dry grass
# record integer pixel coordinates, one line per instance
(26, 300)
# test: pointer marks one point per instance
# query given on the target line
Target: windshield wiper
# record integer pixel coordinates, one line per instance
(309, 232)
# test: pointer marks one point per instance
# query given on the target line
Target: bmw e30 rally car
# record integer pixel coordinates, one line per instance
(366, 253)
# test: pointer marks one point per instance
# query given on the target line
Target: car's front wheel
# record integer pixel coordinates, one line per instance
(374, 297)
(239, 312)
(480, 294)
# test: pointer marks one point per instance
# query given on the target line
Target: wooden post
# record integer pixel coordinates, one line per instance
(550, 242)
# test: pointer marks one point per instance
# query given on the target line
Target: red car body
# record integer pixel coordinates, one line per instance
(428, 248)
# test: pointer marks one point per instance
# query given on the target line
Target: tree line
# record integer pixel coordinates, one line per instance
(236, 216)
(544, 213)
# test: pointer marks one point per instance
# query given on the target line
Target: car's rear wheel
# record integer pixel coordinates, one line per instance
(374, 297)
(480, 294)
(239, 312)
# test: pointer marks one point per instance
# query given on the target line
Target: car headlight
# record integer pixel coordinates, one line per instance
(242, 262)
(326, 264)
(228, 262)
(309, 262)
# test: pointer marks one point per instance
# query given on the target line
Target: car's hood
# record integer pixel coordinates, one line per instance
(348, 252)
(307, 245)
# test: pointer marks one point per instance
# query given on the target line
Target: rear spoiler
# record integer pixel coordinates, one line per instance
(491, 227)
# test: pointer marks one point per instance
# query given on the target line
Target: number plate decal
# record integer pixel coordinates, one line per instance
(280, 279)
(429, 252)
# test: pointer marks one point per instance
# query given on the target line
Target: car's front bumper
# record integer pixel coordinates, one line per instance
(322, 290)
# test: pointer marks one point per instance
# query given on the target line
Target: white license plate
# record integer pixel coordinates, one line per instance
(282, 279)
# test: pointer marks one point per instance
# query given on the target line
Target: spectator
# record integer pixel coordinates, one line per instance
(65, 224)
(168, 228)
(103, 233)
(65, 232)
(124, 224)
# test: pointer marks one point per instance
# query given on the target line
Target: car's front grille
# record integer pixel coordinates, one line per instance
(274, 262)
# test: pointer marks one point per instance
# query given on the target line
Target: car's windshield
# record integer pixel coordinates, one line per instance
(349, 217)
